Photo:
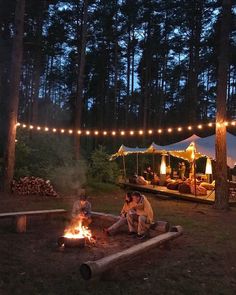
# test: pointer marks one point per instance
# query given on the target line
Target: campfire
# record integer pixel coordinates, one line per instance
(76, 235)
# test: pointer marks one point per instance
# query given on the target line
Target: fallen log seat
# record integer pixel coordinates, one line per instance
(20, 218)
(161, 226)
(91, 269)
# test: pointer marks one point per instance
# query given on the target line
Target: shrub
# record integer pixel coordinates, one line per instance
(101, 169)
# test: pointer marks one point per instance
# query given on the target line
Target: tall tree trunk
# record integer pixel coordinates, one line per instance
(127, 100)
(192, 91)
(16, 60)
(221, 195)
(80, 81)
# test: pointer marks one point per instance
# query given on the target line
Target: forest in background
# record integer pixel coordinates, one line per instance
(147, 64)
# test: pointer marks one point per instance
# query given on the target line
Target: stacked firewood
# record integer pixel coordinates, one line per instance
(31, 185)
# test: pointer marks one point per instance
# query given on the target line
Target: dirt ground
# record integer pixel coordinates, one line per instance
(202, 261)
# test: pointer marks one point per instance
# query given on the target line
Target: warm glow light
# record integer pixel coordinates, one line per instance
(78, 231)
(163, 165)
(16, 140)
(131, 132)
(208, 166)
(233, 123)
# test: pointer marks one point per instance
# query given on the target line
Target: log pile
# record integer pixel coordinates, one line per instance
(31, 185)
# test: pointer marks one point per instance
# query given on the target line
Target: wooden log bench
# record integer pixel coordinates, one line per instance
(20, 218)
(159, 225)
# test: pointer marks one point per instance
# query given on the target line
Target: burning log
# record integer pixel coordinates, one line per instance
(161, 226)
(91, 269)
(31, 185)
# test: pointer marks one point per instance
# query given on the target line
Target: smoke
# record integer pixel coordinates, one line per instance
(70, 178)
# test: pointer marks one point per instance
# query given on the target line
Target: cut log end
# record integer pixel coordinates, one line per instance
(85, 271)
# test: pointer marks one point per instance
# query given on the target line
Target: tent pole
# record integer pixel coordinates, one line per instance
(137, 163)
(195, 182)
(124, 167)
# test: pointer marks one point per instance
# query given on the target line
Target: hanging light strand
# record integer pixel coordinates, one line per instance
(122, 133)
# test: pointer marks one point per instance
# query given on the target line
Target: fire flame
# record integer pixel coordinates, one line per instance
(78, 231)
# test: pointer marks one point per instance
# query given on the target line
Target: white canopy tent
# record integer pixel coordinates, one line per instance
(205, 147)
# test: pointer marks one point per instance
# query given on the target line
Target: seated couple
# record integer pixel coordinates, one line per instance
(137, 213)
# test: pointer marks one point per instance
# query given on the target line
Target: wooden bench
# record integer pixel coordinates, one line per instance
(20, 218)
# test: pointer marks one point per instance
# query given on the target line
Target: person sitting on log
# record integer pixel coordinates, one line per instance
(128, 204)
(82, 210)
(142, 213)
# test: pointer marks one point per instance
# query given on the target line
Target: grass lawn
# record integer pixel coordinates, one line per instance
(202, 261)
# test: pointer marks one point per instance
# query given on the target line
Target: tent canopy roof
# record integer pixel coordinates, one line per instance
(204, 147)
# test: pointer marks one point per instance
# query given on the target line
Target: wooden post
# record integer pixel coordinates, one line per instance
(20, 223)
(124, 167)
(90, 269)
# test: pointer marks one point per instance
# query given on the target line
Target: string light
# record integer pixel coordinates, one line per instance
(124, 132)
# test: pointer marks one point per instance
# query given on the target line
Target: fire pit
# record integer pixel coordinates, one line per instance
(70, 242)
(76, 235)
